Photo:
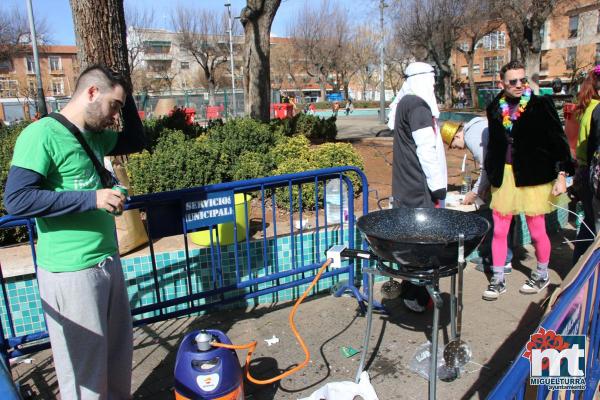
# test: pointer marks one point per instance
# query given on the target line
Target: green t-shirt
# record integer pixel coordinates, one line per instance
(77, 241)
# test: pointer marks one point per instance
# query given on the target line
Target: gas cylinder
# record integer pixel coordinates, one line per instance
(205, 372)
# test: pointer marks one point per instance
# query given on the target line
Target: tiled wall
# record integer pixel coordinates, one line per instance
(25, 303)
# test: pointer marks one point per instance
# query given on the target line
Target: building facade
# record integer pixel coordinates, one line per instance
(570, 46)
(58, 67)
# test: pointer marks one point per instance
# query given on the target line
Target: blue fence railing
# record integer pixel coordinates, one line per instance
(286, 256)
(576, 312)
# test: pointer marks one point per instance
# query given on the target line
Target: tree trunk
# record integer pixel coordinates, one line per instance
(472, 87)
(323, 92)
(257, 18)
(100, 34)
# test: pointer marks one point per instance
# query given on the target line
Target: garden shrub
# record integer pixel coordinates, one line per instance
(154, 128)
(176, 163)
(8, 137)
(251, 165)
(330, 155)
(238, 137)
(315, 128)
(282, 195)
(324, 156)
(290, 148)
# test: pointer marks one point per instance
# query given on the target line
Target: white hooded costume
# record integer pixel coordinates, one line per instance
(419, 171)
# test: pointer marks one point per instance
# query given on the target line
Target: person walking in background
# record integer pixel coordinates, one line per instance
(419, 175)
(335, 108)
(474, 136)
(526, 162)
(53, 178)
(349, 107)
(588, 113)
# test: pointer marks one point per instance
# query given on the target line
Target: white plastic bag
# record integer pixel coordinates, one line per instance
(346, 390)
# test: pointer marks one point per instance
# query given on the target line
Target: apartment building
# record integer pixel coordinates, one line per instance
(58, 67)
(571, 45)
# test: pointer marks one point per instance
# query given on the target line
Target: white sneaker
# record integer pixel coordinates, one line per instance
(535, 284)
(494, 290)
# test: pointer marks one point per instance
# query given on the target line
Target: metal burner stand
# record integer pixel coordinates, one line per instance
(429, 279)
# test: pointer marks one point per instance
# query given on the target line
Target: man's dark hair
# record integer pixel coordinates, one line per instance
(511, 65)
(101, 77)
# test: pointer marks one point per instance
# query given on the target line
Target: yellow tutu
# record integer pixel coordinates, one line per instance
(531, 200)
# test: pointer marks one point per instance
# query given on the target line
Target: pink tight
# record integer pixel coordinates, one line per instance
(537, 230)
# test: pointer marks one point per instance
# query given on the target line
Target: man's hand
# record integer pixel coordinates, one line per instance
(110, 200)
(560, 186)
(470, 198)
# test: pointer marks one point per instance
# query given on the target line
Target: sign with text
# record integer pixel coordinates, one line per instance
(209, 209)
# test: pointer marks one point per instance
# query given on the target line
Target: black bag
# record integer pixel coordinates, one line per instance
(106, 177)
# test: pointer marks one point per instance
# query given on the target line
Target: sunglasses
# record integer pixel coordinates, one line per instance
(513, 82)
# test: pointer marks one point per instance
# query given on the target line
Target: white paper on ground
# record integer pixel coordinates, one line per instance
(346, 390)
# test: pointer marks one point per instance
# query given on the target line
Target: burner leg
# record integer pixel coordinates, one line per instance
(453, 306)
(365, 346)
(438, 303)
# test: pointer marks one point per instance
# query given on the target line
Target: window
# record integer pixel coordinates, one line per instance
(54, 62)
(573, 25)
(464, 70)
(476, 69)
(31, 86)
(491, 65)
(571, 57)
(159, 66)
(464, 46)
(494, 41)
(8, 88)
(58, 87)
(185, 65)
(5, 65)
(29, 65)
(597, 53)
(157, 47)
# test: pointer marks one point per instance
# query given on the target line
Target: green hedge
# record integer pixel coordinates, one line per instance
(315, 128)
(8, 137)
(324, 156)
(174, 122)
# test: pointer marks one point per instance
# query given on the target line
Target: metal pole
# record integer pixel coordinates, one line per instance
(381, 69)
(228, 5)
(40, 100)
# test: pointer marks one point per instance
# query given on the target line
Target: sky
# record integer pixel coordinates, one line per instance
(58, 12)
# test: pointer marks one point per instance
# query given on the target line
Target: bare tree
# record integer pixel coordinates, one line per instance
(524, 20)
(100, 33)
(322, 38)
(477, 23)
(202, 33)
(15, 34)
(140, 22)
(284, 65)
(432, 26)
(364, 54)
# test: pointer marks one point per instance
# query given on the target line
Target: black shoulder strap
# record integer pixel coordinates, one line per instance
(107, 179)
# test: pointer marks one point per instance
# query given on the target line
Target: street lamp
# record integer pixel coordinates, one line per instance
(228, 5)
(382, 5)
(41, 100)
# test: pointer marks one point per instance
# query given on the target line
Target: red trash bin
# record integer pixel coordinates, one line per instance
(283, 110)
(190, 114)
(213, 112)
(571, 126)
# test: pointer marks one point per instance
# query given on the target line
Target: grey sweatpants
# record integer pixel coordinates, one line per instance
(90, 328)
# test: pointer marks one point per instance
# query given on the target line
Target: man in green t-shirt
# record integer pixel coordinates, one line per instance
(83, 292)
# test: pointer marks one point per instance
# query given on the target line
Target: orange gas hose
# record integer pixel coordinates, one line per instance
(252, 345)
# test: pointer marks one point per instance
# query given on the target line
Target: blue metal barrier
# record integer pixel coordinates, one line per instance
(576, 312)
(176, 213)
